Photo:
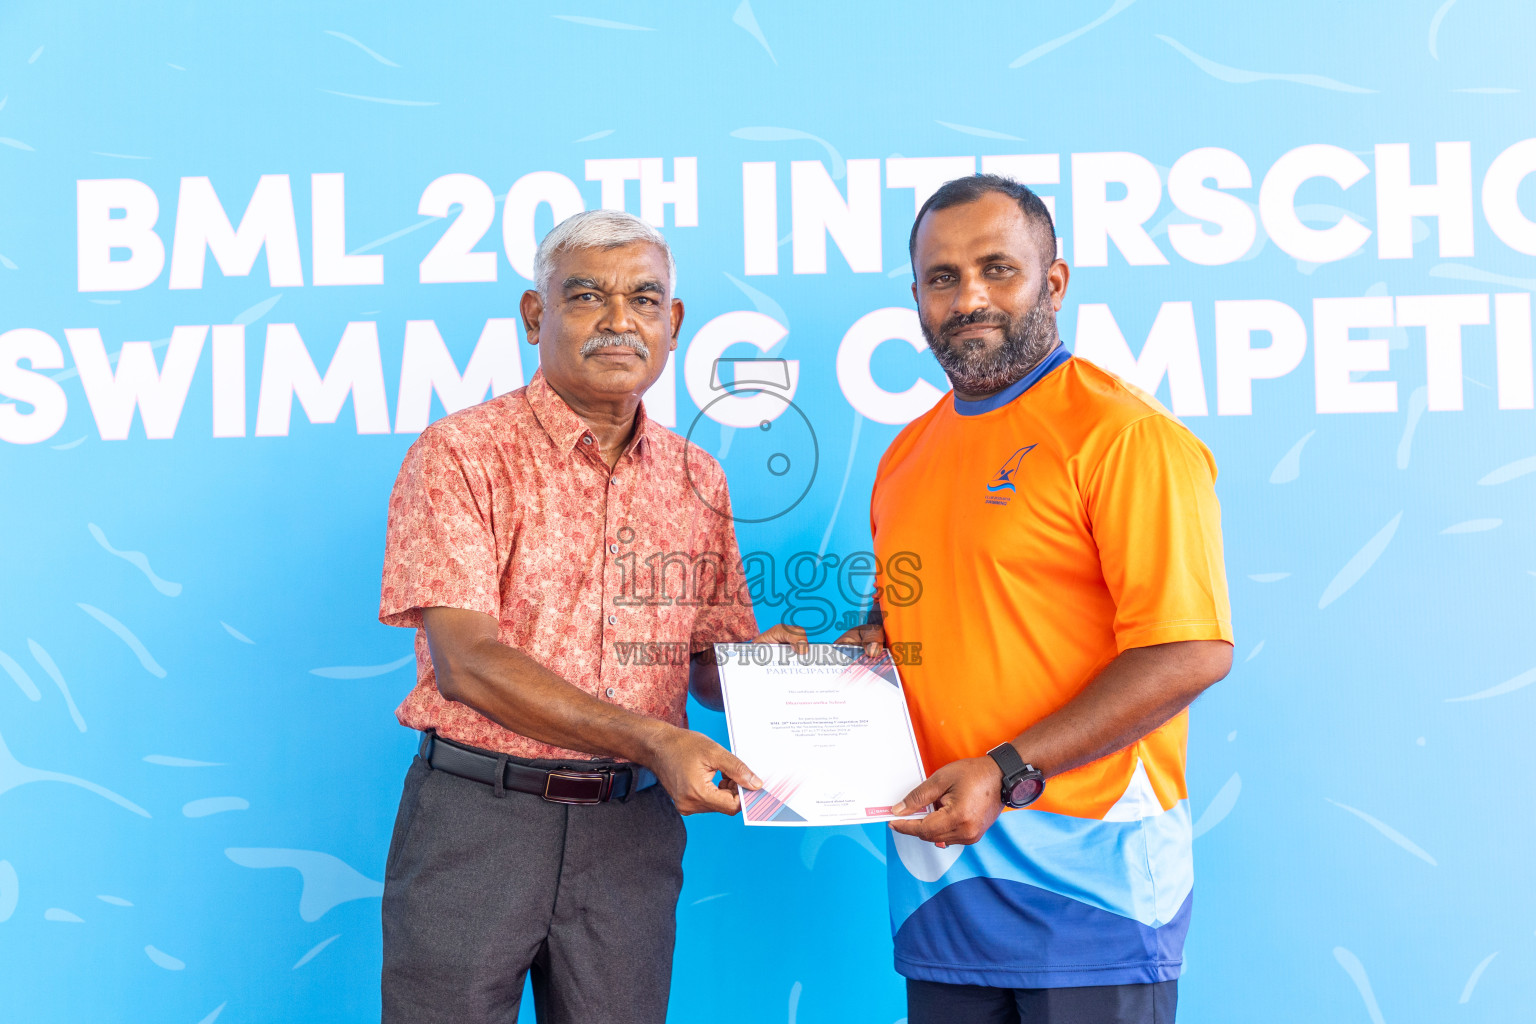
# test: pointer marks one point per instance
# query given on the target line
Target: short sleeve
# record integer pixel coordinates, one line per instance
(1155, 518)
(440, 551)
(725, 614)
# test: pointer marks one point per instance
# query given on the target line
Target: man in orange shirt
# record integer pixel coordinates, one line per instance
(1073, 604)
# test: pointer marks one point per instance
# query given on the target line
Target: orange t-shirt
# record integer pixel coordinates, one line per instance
(1049, 528)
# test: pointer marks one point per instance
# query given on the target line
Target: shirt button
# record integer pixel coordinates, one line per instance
(586, 439)
(613, 481)
(610, 691)
(613, 549)
(612, 619)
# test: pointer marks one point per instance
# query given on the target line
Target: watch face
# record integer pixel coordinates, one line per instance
(1025, 791)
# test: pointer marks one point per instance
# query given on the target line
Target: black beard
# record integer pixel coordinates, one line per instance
(1027, 339)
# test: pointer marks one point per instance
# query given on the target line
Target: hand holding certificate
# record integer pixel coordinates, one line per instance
(827, 731)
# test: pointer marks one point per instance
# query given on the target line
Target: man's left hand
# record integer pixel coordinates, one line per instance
(784, 633)
(967, 797)
(704, 673)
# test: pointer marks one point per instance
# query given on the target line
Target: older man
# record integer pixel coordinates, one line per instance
(1074, 603)
(539, 828)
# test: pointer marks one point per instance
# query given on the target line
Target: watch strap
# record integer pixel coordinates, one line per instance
(1008, 760)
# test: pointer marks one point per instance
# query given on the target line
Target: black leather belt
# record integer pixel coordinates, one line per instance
(557, 785)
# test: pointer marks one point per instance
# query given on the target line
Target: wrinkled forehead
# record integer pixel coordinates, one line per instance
(628, 268)
(971, 232)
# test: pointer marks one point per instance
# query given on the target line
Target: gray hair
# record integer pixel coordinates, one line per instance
(596, 229)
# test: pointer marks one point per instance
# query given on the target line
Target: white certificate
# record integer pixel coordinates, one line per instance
(827, 732)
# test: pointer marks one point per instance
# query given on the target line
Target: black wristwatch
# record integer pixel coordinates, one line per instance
(1022, 783)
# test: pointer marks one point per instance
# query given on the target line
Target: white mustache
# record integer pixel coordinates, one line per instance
(629, 340)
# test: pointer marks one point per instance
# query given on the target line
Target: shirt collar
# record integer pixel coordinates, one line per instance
(975, 407)
(565, 428)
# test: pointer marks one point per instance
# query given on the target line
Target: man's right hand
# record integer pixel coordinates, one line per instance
(870, 636)
(686, 762)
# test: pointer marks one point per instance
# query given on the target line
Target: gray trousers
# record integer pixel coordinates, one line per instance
(480, 889)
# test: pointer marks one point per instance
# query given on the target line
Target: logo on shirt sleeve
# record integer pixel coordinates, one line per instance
(1001, 489)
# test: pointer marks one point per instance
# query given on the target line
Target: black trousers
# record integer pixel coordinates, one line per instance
(479, 890)
(929, 1002)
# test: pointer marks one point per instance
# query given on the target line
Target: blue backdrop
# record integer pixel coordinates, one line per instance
(190, 590)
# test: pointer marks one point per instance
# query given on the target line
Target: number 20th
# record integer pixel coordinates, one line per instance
(119, 248)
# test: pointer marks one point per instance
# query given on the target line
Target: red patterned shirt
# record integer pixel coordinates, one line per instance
(608, 579)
